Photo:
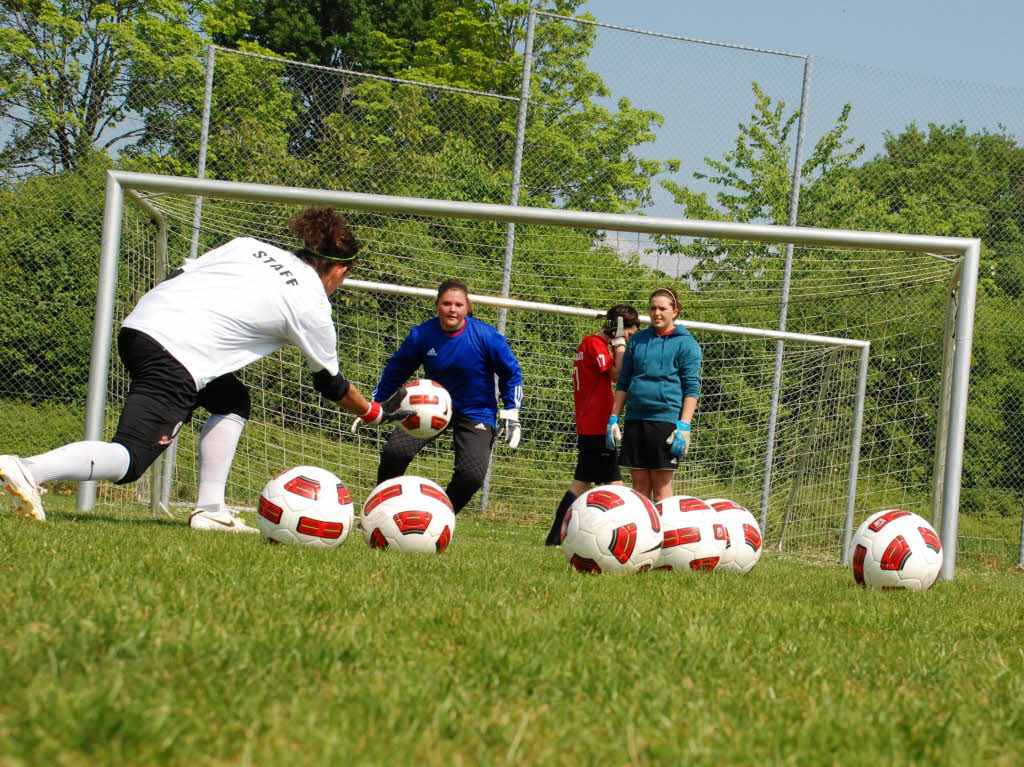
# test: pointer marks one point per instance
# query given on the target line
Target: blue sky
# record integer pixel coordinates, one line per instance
(896, 63)
(950, 39)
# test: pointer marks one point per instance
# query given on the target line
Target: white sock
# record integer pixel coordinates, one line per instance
(80, 461)
(217, 444)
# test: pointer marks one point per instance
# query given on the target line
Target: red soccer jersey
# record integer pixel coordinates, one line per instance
(592, 385)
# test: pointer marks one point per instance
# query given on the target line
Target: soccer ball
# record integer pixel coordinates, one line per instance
(306, 505)
(743, 548)
(694, 538)
(409, 514)
(431, 405)
(895, 549)
(612, 528)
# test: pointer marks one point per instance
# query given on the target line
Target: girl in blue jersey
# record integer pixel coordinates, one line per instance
(463, 355)
(658, 387)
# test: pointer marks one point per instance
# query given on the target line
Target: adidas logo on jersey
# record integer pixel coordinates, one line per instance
(431, 352)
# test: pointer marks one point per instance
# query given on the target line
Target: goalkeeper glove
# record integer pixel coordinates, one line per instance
(679, 439)
(619, 339)
(510, 428)
(383, 412)
(613, 433)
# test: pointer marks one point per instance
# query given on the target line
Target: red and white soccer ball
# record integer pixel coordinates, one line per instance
(895, 549)
(612, 529)
(743, 548)
(695, 540)
(408, 513)
(306, 505)
(431, 405)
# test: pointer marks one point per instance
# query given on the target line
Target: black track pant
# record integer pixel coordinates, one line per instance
(472, 440)
(162, 397)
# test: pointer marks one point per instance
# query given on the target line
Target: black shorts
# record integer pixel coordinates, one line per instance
(162, 397)
(644, 446)
(595, 462)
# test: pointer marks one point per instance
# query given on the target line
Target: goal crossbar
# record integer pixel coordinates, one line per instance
(955, 368)
(573, 311)
(421, 206)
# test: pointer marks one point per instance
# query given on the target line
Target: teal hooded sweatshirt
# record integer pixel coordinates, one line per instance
(658, 372)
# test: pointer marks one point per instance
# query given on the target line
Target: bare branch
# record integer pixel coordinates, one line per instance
(121, 137)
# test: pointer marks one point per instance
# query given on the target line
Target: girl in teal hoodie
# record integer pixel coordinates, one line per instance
(658, 387)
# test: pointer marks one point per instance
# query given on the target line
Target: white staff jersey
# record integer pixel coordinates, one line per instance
(237, 304)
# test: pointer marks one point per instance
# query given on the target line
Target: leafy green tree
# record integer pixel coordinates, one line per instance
(754, 179)
(377, 36)
(944, 181)
(49, 243)
(738, 282)
(78, 76)
(382, 37)
(579, 153)
(947, 180)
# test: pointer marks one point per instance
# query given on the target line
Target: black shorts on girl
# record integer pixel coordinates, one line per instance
(161, 398)
(595, 462)
(644, 446)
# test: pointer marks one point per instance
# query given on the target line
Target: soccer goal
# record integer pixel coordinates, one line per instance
(858, 406)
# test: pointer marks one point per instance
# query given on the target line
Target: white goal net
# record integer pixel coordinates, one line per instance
(896, 300)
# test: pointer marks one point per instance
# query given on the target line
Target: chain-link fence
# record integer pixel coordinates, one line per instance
(664, 108)
(818, 421)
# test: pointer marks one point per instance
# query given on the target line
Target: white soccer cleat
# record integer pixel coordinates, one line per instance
(21, 485)
(222, 520)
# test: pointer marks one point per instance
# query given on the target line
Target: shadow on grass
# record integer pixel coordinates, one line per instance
(90, 517)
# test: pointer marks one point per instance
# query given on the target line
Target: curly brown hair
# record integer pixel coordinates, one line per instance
(326, 238)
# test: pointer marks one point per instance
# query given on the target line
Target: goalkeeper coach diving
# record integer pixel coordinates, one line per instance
(181, 345)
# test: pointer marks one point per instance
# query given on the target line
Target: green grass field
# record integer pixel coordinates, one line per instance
(133, 641)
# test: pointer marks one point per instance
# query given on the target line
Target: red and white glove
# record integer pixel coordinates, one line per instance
(383, 412)
(373, 415)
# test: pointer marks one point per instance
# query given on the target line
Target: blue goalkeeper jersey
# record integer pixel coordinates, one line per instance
(464, 362)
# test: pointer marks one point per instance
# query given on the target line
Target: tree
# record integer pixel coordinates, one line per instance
(79, 77)
(377, 36)
(739, 282)
(755, 181)
(940, 181)
(49, 251)
(946, 180)
(579, 153)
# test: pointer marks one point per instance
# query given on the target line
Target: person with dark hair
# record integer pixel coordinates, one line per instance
(594, 370)
(181, 345)
(658, 386)
(463, 355)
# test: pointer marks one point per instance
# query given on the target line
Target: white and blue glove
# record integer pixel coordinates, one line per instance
(679, 439)
(613, 433)
(510, 428)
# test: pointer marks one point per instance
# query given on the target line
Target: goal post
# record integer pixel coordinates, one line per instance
(859, 347)
(415, 240)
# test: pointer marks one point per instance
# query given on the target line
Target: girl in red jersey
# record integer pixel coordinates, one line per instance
(594, 371)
